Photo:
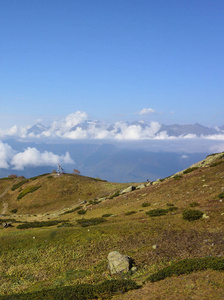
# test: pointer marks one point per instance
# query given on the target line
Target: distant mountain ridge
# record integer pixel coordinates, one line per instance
(121, 130)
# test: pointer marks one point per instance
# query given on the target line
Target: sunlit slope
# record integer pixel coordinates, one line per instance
(46, 193)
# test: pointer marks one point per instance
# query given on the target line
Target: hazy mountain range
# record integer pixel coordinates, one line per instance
(120, 151)
(77, 126)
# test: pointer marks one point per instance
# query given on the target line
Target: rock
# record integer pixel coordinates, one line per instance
(118, 263)
(154, 247)
(127, 190)
(140, 186)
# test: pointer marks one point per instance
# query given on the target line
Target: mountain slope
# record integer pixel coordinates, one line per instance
(48, 257)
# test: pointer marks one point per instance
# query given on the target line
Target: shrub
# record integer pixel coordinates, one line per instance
(146, 204)
(14, 211)
(170, 204)
(189, 170)
(19, 184)
(104, 290)
(114, 195)
(221, 195)
(187, 266)
(72, 210)
(172, 208)
(81, 212)
(106, 215)
(216, 163)
(39, 224)
(192, 214)
(90, 222)
(177, 177)
(94, 202)
(130, 213)
(30, 189)
(157, 212)
(194, 204)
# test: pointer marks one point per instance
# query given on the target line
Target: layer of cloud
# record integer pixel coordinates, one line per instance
(30, 157)
(76, 126)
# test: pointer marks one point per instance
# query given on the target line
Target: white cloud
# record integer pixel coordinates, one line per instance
(217, 148)
(6, 154)
(33, 157)
(146, 111)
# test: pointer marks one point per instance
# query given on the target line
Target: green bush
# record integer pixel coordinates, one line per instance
(194, 204)
(169, 204)
(14, 211)
(172, 208)
(221, 195)
(157, 212)
(177, 177)
(90, 222)
(19, 184)
(39, 224)
(130, 213)
(103, 290)
(189, 170)
(187, 266)
(81, 212)
(106, 215)
(28, 190)
(94, 202)
(146, 204)
(72, 210)
(216, 163)
(192, 214)
(114, 195)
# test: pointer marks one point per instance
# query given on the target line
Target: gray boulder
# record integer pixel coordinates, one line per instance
(118, 263)
(127, 190)
(140, 186)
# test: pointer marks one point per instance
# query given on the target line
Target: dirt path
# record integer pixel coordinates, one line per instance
(5, 204)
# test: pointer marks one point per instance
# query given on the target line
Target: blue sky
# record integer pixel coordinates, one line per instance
(111, 59)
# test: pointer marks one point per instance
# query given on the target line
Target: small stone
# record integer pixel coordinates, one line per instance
(154, 246)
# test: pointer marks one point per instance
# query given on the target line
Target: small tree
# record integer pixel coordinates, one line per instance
(76, 172)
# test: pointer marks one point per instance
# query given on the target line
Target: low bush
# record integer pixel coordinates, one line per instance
(103, 290)
(146, 204)
(169, 204)
(72, 210)
(19, 184)
(114, 195)
(189, 170)
(216, 163)
(172, 208)
(221, 195)
(130, 213)
(177, 177)
(94, 202)
(194, 204)
(192, 214)
(30, 189)
(157, 212)
(187, 266)
(81, 212)
(39, 224)
(106, 215)
(90, 222)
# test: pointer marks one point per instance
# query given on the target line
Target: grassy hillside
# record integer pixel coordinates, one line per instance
(146, 224)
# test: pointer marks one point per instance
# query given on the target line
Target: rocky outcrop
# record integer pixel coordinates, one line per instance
(127, 190)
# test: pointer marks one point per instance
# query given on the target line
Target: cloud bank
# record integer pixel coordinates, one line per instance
(30, 157)
(77, 126)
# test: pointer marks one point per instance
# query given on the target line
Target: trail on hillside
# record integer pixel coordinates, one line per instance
(5, 204)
